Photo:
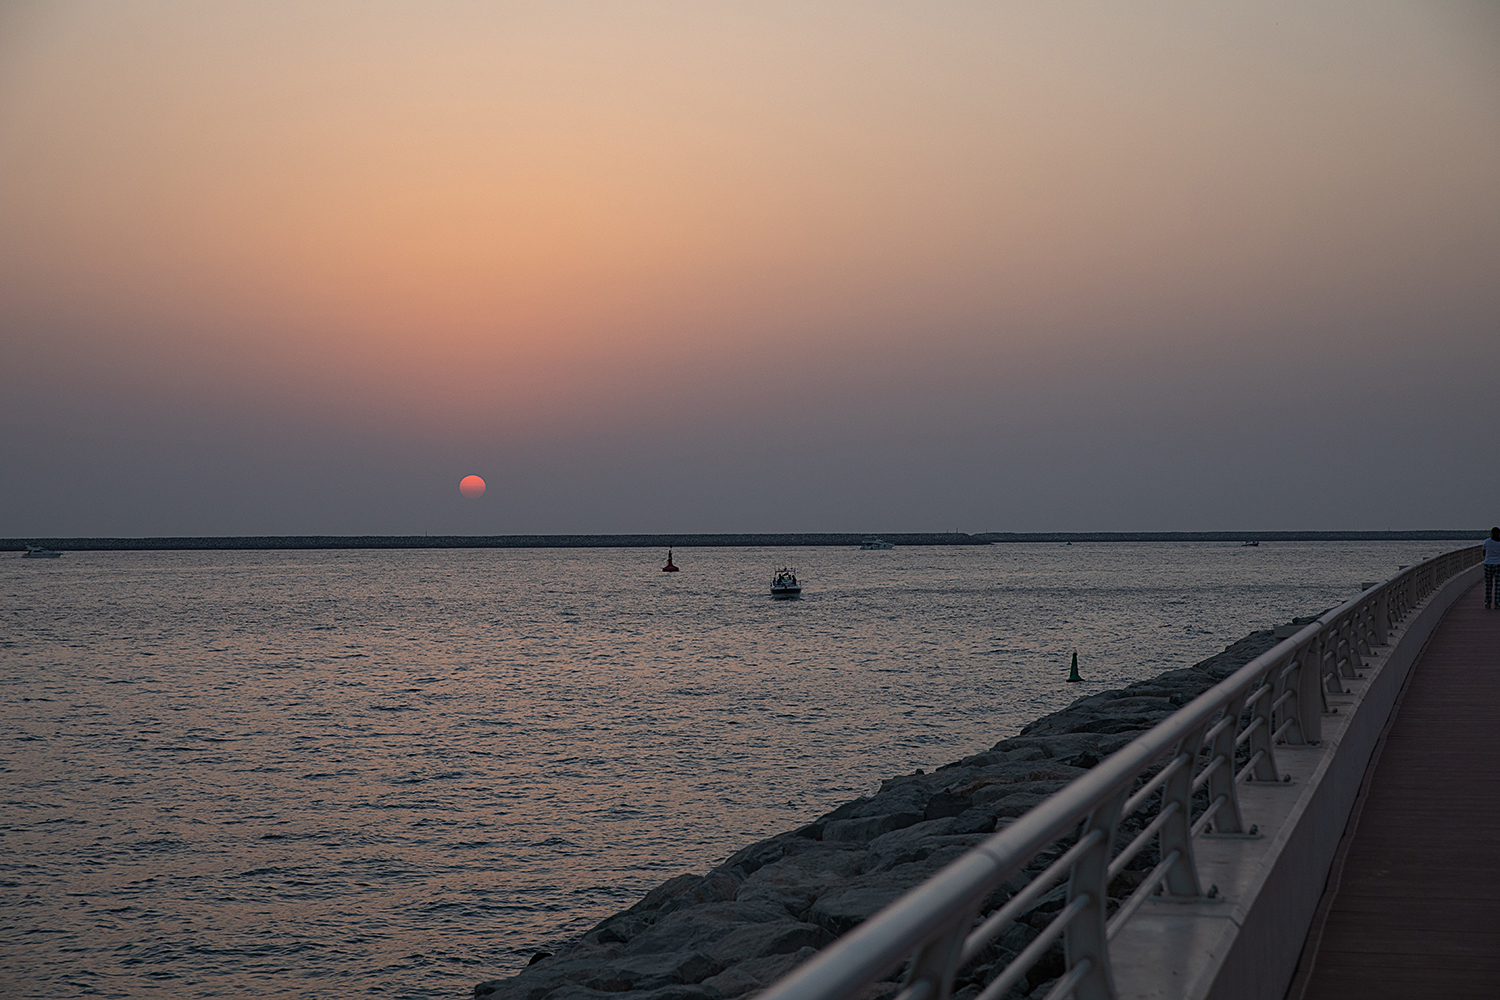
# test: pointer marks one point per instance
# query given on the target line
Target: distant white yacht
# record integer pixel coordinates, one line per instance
(871, 543)
(784, 583)
(38, 552)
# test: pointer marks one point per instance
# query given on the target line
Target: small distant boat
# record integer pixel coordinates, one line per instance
(873, 544)
(38, 552)
(670, 567)
(784, 583)
(1251, 545)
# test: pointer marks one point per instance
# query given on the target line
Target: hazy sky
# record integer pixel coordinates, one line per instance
(300, 267)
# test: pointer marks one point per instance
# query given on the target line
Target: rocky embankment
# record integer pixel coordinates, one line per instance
(753, 918)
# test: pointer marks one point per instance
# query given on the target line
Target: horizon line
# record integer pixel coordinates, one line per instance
(699, 539)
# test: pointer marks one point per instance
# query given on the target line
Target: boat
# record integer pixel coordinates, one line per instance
(872, 544)
(670, 567)
(1251, 545)
(784, 583)
(38, 552)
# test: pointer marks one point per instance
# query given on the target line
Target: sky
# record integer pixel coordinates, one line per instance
(298, 268)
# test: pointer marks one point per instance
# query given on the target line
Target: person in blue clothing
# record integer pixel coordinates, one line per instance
(1492, 569)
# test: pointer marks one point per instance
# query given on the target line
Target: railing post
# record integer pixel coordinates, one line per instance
(1308, 698)
(1400, 591)
(1358, 631)
(1327, 646)
(1261, 743)
(1374, 638)
(1177, 832)
(1221, 781)
(1346, 650)
(1310, 713)
(934, 964)
(1085, 938)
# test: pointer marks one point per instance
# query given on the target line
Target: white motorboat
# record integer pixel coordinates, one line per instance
(873, 544)
(38, 552)
(784, 583)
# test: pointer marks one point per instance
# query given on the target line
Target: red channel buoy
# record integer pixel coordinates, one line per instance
(669, 567)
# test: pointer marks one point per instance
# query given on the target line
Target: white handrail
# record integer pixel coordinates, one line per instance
(1278, 697)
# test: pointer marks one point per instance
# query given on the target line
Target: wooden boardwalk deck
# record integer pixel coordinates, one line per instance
(1413, 904)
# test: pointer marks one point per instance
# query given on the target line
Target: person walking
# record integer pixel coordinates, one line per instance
(1492, 569)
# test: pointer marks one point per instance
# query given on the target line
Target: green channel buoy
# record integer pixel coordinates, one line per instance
(1073, 674)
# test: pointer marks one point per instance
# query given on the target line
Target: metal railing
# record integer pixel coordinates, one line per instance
(1190, 766)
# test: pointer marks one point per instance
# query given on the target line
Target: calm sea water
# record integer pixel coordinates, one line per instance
(399, 773)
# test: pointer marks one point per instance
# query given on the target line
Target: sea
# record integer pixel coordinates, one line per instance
(401, 772)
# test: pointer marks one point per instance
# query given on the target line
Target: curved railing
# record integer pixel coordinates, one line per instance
(1189, 767)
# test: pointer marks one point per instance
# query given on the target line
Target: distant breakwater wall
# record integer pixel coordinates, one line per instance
(233, 542)
(483, 541)
(1419, 535)
(731, 932)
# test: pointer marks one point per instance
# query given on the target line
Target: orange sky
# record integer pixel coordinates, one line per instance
(510, 233)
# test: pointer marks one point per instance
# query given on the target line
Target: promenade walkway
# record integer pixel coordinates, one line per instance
(1413, 904)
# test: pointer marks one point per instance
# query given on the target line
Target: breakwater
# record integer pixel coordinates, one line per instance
(769, 907)
(1420, 535)
(233, 542)
(253, 542)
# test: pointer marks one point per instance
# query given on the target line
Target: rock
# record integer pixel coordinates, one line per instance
(945, 804)
(757, 973)
(690, 890)
(770, 940)
(846, 907)
(867, 828)
(703, 927)
(1016, 804)
(913, 843)
(793, 890)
